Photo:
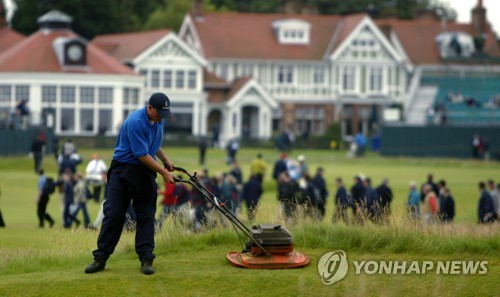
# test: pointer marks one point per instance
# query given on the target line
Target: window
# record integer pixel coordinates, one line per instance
(67, 119)
(5, 93)
(135, 96)
(48, 93)
(68, 94)
(167, 79)
(247, 70)
(179, 79)
(87, 95)
(348, 78)
(87, 120)
(105, 120)
(155, 78)
(130, 96)
(223, 71)
(23, 92)
(192, 79)
(376, 79)
(105, 95)
(319, 75)
(144, 73)
(285, 74)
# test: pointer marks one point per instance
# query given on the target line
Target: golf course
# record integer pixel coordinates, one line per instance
(51, 261)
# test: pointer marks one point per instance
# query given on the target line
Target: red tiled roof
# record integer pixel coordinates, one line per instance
(127, 46)
(344, 28)
(224, 94)
(8, 38)
(236, 85)
(251, 36)
(211, 79)
(36, 54)
(418, 37)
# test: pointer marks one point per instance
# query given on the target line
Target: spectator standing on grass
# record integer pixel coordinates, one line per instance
(96, 176)
(303, 168)
(202, 146)
(252, 191)
(232, 149)
(80, 200)
(413, 201)
(42, 200)
(486, 208)
(446, 206)
(385, 196)
(476, 146)
(68, 198)
(258, 168)
(37, 151)
(287, 194)
(430, 182)
(280, 166)
(495, 195)
(320, 184)
(358, 198)
(342, 202)
(430, 207)
(371, 201)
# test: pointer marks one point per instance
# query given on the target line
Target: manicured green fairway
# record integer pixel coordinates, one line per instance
(50, 262)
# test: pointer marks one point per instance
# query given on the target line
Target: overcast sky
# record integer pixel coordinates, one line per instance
(463, 8)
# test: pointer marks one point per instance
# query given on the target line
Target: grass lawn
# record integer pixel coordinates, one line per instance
(50, 262)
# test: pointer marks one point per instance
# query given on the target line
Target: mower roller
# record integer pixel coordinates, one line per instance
(269, 246)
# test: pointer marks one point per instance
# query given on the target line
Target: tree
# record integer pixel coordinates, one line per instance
(90, 17)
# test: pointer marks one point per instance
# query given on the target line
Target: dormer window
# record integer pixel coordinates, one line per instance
(455, 44)
(292, 31)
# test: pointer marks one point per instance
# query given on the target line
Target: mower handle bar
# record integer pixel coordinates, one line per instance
(193, 181)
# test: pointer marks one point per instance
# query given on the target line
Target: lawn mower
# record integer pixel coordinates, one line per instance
(269, 246)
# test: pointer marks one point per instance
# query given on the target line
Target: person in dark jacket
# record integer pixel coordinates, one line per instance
(446, 206)
(252, 191)
(372, 203)
(287, 194)
(202, 146)
(434, 187)
(384, 194)
(280, 166)
(342, 202)
(320, 185)
(132, 177)
(37, 151)
(358, 198)
(486, 208)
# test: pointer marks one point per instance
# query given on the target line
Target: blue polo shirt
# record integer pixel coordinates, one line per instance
(137, 138)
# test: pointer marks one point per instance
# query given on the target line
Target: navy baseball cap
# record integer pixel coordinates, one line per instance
(161, 103)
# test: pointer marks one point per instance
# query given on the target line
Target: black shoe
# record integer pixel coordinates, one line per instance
(94, 267)
(147, 267)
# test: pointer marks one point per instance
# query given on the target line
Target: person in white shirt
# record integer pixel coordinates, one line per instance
(96, 176)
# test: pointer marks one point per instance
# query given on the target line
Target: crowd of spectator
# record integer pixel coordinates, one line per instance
(300, 192)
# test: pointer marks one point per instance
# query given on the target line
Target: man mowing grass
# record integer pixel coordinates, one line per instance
(132, 177)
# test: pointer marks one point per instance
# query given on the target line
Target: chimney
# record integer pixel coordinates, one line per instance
(478, 15)
(3, 12)
(197, 9)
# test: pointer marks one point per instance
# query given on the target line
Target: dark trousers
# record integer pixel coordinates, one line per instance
(97, 193)
(37, 157)
(115, 209)
(202, 156)
(42, 211)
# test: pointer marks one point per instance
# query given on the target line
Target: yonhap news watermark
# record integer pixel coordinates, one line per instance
(333, 267)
